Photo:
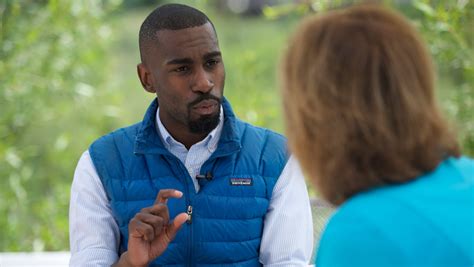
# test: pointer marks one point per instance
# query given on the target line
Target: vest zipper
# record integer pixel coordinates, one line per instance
(190, 214)
(189, 211)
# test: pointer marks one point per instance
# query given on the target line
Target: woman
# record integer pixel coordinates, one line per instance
(361, 114)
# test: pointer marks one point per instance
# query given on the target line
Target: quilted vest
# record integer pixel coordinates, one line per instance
(227, 213)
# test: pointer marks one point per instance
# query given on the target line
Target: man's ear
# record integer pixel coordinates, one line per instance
(145, 78)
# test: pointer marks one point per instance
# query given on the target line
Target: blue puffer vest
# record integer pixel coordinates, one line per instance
(227, 213)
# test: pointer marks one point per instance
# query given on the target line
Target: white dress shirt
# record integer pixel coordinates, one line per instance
(287, 238)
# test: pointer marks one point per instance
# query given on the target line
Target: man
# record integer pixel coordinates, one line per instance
(191, 185)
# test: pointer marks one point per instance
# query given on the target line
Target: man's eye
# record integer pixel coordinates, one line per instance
(212, 62)
(181, 69)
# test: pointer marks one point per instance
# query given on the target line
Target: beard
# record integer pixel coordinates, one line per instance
(205, 123)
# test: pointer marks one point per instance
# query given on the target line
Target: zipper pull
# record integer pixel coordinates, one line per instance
(190, 214)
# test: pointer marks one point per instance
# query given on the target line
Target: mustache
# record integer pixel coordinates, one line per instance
(202, 97)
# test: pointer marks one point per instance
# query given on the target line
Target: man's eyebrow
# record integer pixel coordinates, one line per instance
(179, 61)
(186, 60)
(213, 54)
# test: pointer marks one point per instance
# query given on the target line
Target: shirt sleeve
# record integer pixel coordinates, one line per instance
(288, 228)
(93, 232)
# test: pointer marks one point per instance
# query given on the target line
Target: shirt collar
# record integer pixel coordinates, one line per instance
(210, 141)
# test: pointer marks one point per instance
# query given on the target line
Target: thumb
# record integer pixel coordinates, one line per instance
(174, 227)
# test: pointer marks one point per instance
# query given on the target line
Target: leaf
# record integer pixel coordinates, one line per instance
(424, 8)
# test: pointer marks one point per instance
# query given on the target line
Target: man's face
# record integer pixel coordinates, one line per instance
(187, 73)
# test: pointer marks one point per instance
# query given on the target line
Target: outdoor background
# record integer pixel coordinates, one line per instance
(68, 76)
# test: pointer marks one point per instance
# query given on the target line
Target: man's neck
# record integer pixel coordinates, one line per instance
(181, 133)
(185, 137)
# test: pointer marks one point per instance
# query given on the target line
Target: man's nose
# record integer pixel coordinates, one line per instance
(202, 81)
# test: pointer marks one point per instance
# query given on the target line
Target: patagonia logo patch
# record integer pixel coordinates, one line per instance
(241, 181)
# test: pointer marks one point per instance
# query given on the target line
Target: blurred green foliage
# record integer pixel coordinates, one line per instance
(448, 28)
(68, 76)
(51, 64)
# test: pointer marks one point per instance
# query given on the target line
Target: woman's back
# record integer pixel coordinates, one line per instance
(426, 222)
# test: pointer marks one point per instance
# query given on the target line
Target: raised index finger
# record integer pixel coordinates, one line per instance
(164, 194)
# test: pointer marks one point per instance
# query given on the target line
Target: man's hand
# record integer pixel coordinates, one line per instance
(150, 231)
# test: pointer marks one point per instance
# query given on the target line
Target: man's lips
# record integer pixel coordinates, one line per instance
(205, 107)
(205, 104)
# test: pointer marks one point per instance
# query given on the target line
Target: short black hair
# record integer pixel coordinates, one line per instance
(169, 17)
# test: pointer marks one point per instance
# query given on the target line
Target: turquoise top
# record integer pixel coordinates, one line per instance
(426, 222)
